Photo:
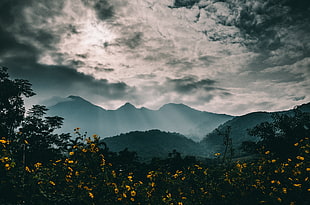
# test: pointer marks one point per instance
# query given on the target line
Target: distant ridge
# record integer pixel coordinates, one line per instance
(239, 126)
(171, 117)
(153, 143)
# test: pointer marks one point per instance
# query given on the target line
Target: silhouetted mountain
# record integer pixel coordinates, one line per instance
(179, 118)
(153, 143)
(239, 128)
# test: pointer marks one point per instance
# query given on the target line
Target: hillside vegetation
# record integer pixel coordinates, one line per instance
(39, 167)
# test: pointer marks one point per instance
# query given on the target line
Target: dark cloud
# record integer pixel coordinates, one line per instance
(76, 63)
(73, 29)
(108, 70)
(298, 6)
(10, 45)
(13, 27)
(208, 60)
(201, 90)
(82, 56)
(299, 98)
(104, 10)
(263, 24)
(189, 84)
(10, 10)
(184, 3)
(134, 40)
(64, 80)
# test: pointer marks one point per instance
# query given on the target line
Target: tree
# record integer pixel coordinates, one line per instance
(227, 141)
(38, 139)
(281, 136)
(12, 108)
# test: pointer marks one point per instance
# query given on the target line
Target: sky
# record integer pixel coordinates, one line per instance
(222, 56)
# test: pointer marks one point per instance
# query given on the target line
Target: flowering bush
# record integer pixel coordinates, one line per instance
(86, 175)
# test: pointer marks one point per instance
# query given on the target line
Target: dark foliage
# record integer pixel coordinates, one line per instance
(281, 135)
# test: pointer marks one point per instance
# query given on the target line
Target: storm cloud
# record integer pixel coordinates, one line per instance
(231, 56)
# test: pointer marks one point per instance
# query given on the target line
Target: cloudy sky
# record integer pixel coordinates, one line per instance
(224, 56)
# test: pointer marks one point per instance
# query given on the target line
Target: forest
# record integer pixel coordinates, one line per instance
(39, 166)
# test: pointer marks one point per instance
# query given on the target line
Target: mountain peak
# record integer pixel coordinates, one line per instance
(74, 97)
(77, 101)
(127, 106)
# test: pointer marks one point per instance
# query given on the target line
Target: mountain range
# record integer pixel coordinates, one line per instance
(78, 112)
(156, 133)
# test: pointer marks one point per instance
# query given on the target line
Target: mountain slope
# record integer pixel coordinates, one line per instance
(153, 143)
(239, 128)
(179, 118)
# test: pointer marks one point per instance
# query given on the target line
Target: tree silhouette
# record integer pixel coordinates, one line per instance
(12, 108)
(282, 135)
(38, 139)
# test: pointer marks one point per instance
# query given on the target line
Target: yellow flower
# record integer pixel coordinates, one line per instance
(300, 158)
(70, 162)
(132, 199)
(52, 183)
(273, 161)
(133, 193)
(3, 141)
(284, 190)
(26, 142)
(308, 169)
(38, 164)
(267, 152)
(71, 153)
(27, 169)
(296, 144)
(91, 195)
(113, 173)
(297, 185)
(128, 187)
(180, 203)
(87, 188)
(217, 154)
